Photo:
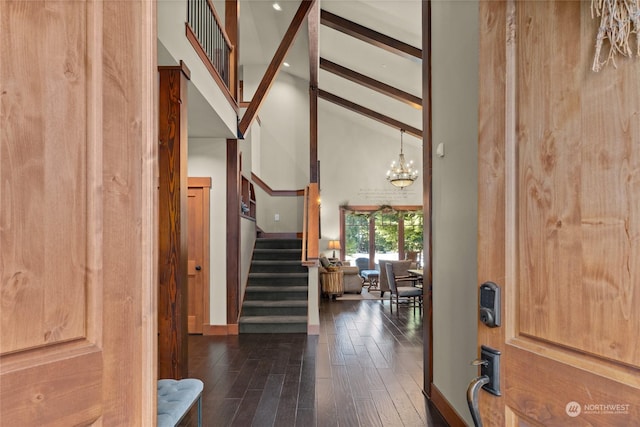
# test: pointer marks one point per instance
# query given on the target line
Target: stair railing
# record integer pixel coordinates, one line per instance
(205, 28)
(311, 223)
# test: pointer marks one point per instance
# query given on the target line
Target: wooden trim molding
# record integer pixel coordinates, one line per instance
(427, 168)
(220, 330)
(275, 193)
(367, 112)
(204, 182)
(450, 415)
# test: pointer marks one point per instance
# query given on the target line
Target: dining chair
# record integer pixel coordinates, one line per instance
(411, 292)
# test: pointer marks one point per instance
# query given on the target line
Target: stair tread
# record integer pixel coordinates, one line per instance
(273, 319)
(267, 303)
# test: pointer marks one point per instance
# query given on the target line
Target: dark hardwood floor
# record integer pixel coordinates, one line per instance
(364, 369)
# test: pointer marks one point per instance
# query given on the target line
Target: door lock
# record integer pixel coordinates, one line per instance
(489, 380)
(490, 304)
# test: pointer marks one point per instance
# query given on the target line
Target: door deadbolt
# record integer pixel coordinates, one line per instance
(490, 304)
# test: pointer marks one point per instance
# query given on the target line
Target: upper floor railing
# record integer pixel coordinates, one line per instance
(206, 27)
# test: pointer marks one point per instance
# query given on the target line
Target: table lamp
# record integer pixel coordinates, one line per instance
(334, 244)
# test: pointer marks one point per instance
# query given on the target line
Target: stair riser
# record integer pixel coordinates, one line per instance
(277, 281)
(273, 328)
(274, 311)
(275, 296)
(273, 255)
(278, 244)
(277, 268)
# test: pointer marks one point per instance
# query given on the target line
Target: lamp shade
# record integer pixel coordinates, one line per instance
(334, 244)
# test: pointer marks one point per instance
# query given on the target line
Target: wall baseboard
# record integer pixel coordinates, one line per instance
(220, 329)
(450, 415)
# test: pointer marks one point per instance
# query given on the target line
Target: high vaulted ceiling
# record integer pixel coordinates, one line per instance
(262, 28)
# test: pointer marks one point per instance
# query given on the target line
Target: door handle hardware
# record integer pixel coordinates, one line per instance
(198, 268)
(489, 380)
(472, 398)
(491, 369)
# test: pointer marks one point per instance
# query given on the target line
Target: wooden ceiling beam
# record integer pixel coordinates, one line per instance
(378, 86)
(274, 67)
(369, 113)
(370, 36)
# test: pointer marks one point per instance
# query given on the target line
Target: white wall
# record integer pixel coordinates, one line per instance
(355, 153)
(284, 135)
(455, 104)
(208, 157)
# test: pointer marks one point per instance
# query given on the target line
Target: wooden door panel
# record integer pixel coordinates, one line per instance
(559, 217)
(77, 213)
(574, 204)
(44, 278)
(51, 361)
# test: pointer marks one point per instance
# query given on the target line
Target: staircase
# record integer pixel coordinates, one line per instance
(276, 295)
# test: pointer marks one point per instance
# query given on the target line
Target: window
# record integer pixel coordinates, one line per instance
(383, 233)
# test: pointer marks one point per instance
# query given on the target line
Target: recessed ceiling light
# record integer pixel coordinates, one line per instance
(286, 64)
(277, 7)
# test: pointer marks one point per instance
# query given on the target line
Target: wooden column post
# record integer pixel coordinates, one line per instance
(172, 222)
(233, 237)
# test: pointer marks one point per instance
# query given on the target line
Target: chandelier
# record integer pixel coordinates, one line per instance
(402, 174)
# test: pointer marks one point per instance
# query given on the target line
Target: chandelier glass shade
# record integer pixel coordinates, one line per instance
(402, 174)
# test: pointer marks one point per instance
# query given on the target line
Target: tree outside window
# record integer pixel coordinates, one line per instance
(396, 232)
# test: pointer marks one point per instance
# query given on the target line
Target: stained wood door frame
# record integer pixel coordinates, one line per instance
(427, 170)
(205, 184)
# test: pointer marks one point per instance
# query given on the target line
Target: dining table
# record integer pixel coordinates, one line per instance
(417, 273)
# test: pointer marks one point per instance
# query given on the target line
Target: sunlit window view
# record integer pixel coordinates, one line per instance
(385, 234)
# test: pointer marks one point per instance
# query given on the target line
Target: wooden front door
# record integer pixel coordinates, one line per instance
(559, 217)
(77, 213)
(198, 256)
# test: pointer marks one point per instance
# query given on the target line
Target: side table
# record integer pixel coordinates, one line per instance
(331, 282)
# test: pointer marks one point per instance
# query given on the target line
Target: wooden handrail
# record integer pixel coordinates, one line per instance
(304, 223)
(281, 193)
(210, 36)
(313, 221)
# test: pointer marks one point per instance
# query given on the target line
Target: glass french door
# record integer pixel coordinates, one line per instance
(387, 234)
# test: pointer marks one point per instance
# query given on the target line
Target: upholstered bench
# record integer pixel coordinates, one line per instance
(370, 277)
(175, 398)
